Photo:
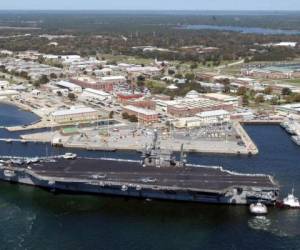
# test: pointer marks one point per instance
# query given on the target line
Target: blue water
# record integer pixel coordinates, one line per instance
(31, 218)
(244, 30)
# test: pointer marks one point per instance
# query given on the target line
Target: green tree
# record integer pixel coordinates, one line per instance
(241, 91)
(71, 96)
(133, 118)
(178, 75)
(274, 101)
(171, 72)
(259, 99)
(125, 115)
(286, 91)
(53, 76)
(268, 90)
(194, 66)
(141, 81)
(190, 76)
(245, 100)
(111, 114)
(296, 98)
(43, 79)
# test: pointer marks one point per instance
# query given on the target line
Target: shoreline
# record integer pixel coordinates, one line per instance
(18, 105)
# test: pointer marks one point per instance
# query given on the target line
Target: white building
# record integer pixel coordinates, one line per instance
(187, 122)
(203, 119)
(35, 92)
(293, 108)
(103, 72)
(70, 86)
(98, 95)
(114, 79)
(148, 70)
(75, 114)
(227, 99)
(4, 84)
(214, 116)
(8, 93)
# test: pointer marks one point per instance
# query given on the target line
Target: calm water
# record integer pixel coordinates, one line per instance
(31, 218)
(245, 30)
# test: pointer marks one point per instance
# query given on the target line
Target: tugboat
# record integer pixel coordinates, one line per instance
(258, 208)
(291, 201)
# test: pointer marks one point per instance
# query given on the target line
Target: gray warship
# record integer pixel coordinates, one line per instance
(159, 175)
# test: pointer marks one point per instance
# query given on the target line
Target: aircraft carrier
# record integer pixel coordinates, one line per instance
(129, 178)
(157, 176)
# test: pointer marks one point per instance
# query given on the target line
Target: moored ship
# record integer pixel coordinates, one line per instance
(158, 176)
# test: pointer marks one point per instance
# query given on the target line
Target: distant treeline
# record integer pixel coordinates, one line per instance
(118, 32)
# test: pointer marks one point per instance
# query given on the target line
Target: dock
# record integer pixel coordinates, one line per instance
(24, 141)
(263, 122)
(250, 145)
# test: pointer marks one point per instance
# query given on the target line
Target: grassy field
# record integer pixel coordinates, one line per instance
(184, 66)
(294, 81)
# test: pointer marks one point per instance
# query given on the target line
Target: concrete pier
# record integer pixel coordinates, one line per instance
(123, 138)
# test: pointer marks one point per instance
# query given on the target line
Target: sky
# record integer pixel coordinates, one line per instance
(150, 4)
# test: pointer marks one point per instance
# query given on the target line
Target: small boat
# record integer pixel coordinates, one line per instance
(17, 161)
(296, 139)
(291, 201)
(8, 140)
(258, 208)
(69, 156)
(124, 188)
(99, 176)
(9, 173)
(291, 129)
(32, 160)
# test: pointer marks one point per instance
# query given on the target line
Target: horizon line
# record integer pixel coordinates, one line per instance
(171, 10)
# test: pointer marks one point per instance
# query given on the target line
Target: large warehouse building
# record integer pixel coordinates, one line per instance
(75, 114)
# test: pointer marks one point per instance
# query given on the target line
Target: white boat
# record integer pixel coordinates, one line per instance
(32, 160)
(296, 139)
(291, 201)
(17, 161)
(9, 173)
(258, 208)
(99, 176)
(69, 156)
(291, 130)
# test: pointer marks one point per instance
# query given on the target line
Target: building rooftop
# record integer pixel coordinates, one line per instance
(213, 113)
(96, 92)
(111, 78)
(67, 84)
(73, 111)
(141, 110)
(221, 97)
